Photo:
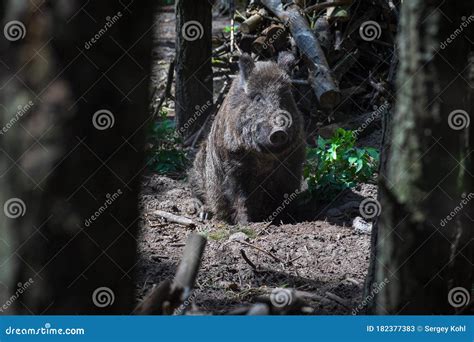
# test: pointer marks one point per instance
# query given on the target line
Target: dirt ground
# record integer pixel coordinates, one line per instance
(324, 256)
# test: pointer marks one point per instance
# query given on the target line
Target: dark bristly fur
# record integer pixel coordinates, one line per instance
(238, 175)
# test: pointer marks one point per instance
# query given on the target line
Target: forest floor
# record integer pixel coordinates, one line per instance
(325, 256)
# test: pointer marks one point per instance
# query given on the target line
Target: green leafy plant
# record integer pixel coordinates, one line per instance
(165, 155)
(336, 164)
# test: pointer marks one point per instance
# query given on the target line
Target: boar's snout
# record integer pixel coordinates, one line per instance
(278, 138)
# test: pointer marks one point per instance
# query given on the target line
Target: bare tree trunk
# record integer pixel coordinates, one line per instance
(194, 87)
(422, 257)
(75, 95)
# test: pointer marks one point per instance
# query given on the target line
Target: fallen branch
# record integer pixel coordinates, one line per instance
(184, 221)
(324, 5)
(165, 298)
(153, 303)
(320, 76)
(189, 266)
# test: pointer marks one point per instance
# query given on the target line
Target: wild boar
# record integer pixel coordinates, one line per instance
(252, 159)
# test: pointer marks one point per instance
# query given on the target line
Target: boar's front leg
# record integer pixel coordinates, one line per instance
(240, 210)
(238, 201)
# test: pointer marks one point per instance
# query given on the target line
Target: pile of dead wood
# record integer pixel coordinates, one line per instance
(345, 51)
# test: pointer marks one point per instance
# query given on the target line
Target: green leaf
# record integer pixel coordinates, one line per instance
(335, 164)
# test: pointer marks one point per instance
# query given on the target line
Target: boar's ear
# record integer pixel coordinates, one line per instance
(246, 65)
(286, 61)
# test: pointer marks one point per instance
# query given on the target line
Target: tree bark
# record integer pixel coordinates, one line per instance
(421, 256)
(194, 84)
(74, 158)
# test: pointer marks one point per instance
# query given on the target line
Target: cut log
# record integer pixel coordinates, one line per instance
(320, 77)
(189, 266)
(165, 298)
(251, 24)
(276, 36)
(261, 48)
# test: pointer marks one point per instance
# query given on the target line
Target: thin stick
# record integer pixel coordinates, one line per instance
(261, 250)
(247, 260)
(184, 221)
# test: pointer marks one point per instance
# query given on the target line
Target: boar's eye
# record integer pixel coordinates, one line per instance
(257, 98)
